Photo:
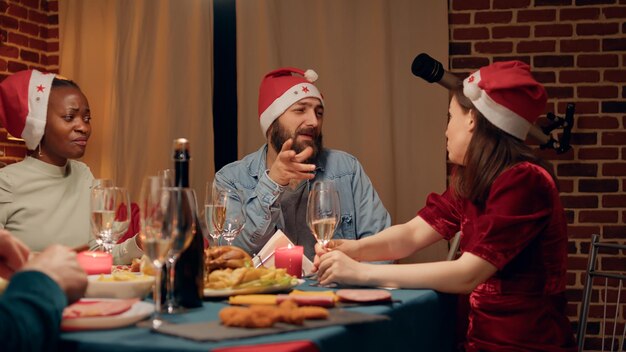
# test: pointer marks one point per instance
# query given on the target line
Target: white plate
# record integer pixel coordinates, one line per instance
(137, 312)
(250, 290)
(119, 289)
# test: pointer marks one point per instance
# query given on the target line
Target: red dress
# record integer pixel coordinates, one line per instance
(522, 231)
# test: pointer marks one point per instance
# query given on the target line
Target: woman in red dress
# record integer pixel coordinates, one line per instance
(506, 204)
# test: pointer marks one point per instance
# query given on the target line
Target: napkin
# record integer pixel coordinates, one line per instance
(265, 256)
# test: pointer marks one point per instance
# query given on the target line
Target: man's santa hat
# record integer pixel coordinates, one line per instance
(282, 88)
(24, 105)
(507, 95)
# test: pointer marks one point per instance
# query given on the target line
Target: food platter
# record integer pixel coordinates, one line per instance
(105, 286)
(137, 312)
(213, 293)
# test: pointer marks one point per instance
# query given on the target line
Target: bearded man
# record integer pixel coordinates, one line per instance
(275, 180)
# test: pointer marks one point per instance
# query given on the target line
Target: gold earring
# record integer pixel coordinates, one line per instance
(39, 152)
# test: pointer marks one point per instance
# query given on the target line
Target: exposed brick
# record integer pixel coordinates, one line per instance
(545, 76)
(597, 28)
(601, 216)
(536, 46)
(34, 4)
(53, 5)
(570, 216)
(598, 153)
(37, 44)
(614, 44)
(578, 46)
(53, 19)
(571, 247)
(600, 60)
(566, 186)
(614, 201)
(3, 65)
(18, 39)
(575, 14)
(582, 231)
(30, 56)
(614, 12)
(52, 60)
(510, 32)
(583, 138)
(560, 92)
(552, 2)
(614, 263)
(470, 33)
(614, 169)
(613, 106)
(576, 263)
(598, 185)
(54, 46)
(618, 232)
(16, 10)
(578, 202)
(469, 62)
(3, 6)
(593, 2)
(536, 16)
(459, 5)
(53, 33)
(571, 277)
(510, 4)
(615, 75)
(37, 17)
(493, 47)
(549, 154)
(486, 17)
(457, 48)
(553, 61)
(582, 107)
(553, 30)
(599, 92)
(525, 59)
(29, 28)
(579, 76)
(458, 18)
(577, 169)
(8, 51)
(8, 22)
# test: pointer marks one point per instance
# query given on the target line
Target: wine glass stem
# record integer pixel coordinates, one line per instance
(170, 303)
(156, 318)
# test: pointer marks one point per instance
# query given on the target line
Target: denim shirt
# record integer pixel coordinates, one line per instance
(362, 212)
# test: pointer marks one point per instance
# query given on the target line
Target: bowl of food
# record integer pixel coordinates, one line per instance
(119, 284)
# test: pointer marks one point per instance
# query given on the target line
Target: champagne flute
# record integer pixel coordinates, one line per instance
(179, 223)
(323, 210)
(229, 215)
(214, 213)
(156, 242)
(110, 215)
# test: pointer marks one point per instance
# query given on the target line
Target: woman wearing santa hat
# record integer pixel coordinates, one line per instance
(506, 204)
(44, 199)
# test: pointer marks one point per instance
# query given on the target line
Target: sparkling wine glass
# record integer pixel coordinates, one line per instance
(214, 213)
(110, 215)
(179, 223)
(229, 215)
(322, 214)
(156, 242)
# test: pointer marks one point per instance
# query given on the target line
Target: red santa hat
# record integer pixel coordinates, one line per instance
(24, 105)
(280, 89)
(507, 95)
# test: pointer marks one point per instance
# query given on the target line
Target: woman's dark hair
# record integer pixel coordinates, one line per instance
(62, 82)
(489, 153)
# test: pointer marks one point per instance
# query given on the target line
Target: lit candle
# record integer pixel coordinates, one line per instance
(95, 262)
(289, 258)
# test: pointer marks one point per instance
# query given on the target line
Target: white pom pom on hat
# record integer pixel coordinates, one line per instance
(282, 88)
(507, 95)
(24, 105)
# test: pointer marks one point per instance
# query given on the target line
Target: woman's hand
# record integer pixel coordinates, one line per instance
(335, 266)
(13, 254)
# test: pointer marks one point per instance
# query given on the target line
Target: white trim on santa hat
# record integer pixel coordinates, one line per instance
(500, 116)
(288, 98)
(39, 87)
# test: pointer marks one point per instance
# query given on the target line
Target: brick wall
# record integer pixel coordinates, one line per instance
(577, 49)
(29, 39)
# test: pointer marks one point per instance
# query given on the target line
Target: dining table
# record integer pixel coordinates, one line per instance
(415, 320)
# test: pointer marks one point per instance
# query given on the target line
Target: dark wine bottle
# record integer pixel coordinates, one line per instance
(189, 277)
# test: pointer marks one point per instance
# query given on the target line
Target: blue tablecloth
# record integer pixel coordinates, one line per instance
(421, 320)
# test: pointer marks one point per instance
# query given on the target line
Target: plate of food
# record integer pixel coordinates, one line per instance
(247, 280)
(119, 284)
(94, 314)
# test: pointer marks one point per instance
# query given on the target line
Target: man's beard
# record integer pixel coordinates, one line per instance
(278, 136)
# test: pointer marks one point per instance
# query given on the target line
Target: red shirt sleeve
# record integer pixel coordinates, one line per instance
(443, 212)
